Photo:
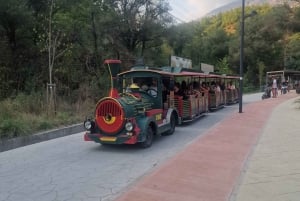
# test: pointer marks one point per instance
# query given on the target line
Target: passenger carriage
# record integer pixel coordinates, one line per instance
(231, 90)
(194, 103)
(222, 90)
(217, 96)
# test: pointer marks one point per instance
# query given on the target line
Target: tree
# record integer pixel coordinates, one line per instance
(56, 44)
(142, 24)
(15, 57)
(55, 33)
(213, 46)
(293, 52)
(223, 66)
(261, 70)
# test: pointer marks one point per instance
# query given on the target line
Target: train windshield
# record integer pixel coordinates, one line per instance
(146, 84)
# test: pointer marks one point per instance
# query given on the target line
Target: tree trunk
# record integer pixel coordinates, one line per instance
(51, 55)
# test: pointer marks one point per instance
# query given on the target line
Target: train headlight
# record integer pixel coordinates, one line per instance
(129, 126)
(88, 124)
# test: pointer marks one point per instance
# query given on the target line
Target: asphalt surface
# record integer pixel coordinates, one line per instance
(67, 168)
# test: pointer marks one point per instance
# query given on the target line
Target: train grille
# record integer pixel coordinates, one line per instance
(110, 116)
(109, 107)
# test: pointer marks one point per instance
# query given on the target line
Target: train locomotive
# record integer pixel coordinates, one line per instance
(130, 114)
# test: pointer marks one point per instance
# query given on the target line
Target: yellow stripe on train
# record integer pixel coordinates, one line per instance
(108, 139)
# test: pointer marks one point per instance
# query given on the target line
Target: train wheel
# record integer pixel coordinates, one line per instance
(149, 138)
(172, 124)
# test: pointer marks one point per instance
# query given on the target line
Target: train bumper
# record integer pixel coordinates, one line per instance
(127, 138)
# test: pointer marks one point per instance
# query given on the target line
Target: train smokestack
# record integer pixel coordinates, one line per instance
(114, 68)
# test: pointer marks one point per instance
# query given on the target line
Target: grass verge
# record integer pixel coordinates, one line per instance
(27, 114)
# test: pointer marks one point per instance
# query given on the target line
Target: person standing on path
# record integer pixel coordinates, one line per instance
(274, 87)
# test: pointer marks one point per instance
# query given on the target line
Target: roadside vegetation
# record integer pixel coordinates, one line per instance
(51, 52)
(27, 114)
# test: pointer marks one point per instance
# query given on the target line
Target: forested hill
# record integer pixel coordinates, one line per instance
(64, 42)
(238, 3)
(52, 51)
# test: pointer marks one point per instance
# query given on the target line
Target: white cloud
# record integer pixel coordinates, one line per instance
(193, 9)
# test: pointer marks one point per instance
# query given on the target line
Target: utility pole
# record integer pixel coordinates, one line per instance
(242, 58)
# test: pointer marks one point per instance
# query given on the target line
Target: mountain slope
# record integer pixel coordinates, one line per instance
(238, 3)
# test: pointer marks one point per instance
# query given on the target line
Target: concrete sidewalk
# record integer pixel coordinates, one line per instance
(273, 170)
(216, 167)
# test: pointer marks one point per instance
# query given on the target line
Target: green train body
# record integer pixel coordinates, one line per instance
(131, 115)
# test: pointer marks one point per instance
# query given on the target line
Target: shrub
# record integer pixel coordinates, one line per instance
(27, 114)
(10, 128)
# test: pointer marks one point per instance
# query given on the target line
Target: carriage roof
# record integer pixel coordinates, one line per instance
(162, 71)
(169, 71)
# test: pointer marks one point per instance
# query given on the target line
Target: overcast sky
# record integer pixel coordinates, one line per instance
(188, 10)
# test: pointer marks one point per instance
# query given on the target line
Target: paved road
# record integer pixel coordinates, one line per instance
(68, 169)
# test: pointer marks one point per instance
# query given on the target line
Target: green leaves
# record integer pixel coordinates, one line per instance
(271, 41)
(293, 52)
(86, 32)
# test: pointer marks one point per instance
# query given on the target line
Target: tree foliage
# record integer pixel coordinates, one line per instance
(271, 41)
(85, 32)
(70, 40)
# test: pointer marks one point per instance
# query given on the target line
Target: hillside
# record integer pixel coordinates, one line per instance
(238, 3)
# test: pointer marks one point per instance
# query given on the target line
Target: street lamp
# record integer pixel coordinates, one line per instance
(242, 53)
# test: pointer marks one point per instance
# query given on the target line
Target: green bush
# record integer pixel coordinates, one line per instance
(44, 125)
(10, 128)
(27, 114)
(251, 89)
(33, 103)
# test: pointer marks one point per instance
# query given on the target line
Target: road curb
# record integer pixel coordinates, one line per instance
(9, 144)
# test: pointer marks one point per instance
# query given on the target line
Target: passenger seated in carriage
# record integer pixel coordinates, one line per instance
(184, 87)
(217, 87)
(222, 86)
(178, 91)
(204, 88)
(212, 87)
(232, 86)
(165, 93)
(194, 89)
(152, 90)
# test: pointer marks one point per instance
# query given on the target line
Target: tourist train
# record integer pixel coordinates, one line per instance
(147, 101)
